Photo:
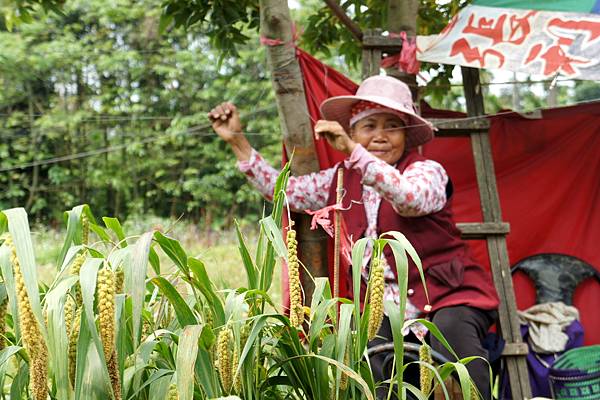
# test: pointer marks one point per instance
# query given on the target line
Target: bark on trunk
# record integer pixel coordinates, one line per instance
(402, 16)
(275, 23)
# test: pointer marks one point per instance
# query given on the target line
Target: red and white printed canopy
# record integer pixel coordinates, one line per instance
(543, 38)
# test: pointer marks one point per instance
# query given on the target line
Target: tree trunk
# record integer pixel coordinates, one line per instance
(34, 145)
(402, 16)
(275, 23)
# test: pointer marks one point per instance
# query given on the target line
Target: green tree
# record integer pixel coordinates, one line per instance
(100, 78)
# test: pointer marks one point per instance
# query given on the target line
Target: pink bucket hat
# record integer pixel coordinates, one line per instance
(389, 93)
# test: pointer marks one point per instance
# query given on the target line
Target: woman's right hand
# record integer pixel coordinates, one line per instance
(225, 121)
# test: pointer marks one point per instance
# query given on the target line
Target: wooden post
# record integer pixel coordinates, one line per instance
(338, 225)
(499, 262)
(275, 23)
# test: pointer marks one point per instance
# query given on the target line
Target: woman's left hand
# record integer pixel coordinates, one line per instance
(336, 136)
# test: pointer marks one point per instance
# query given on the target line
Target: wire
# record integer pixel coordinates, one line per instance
(196, 131)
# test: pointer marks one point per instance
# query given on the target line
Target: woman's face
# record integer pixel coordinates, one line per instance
(382, 135)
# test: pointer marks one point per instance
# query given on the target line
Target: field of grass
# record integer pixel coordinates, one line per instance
(217, 249)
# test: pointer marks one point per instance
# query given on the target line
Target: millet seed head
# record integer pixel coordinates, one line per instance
(106, 309)
(376, 283)
(224, 358)
(426, 375)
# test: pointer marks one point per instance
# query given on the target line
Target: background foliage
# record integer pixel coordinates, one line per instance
(102, 77)
(126, 85)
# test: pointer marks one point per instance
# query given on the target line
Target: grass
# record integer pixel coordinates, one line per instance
(217, 249)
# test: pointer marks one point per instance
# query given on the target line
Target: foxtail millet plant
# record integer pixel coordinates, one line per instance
(113, 372)
(237, 378)
(173, 393)
(344, 377)
(425, 374)
(106, 310)
(3, 310)
(296, 310)
(106, 320)
(73, 339)
(376, 284)
(85, 229)
(119, 280)
(224, 358)
(32, 337)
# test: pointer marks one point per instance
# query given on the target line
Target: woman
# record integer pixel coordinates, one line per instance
(389, 186)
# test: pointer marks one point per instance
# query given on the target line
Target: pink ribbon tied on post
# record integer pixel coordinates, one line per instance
(406, 60)
(324, 218)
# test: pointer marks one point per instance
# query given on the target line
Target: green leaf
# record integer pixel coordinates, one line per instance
(186, 358)
(58, 343)
(274, 235)
(159, 387)
(185, 316)
(9, 281)
(433, 330)
(173, 250)
(114, 225)
(207, 289)
(73, 218)
(93, 352)
(165, 21)
(135, 278)
(408, 247)
(396, 316)
(18, 227)
(251, 272)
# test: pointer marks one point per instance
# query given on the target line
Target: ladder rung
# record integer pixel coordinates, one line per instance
(515, 349)
(459, 126)
(481, 230)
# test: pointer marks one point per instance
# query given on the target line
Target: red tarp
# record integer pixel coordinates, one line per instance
(548, 174)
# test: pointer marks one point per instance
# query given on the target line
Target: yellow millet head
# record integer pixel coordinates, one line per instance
(224, 358)
(106, 309)
(77, 263)
(30, 331)
(344, 378)
(73, 339)
(39, 374)
(237, 377)
(173, 393)
(376, 284)
(474, 392)
(85, 229)
(119, 280)
(426, 375)
(3, 311)
(113, 373)
(69, 312)
(296, 310)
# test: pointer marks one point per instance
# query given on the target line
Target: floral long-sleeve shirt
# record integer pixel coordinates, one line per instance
(419, 190)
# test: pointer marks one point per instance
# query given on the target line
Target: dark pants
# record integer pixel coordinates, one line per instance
(464, 328)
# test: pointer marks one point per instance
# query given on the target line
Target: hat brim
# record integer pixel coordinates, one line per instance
(339, 108)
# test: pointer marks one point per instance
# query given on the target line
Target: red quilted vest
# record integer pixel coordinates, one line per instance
(451, 274)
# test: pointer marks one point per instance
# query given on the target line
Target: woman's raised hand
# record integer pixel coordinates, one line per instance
(335, 135)
(225, 121)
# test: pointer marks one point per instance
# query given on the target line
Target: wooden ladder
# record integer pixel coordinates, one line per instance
(492, 229)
